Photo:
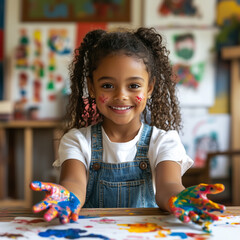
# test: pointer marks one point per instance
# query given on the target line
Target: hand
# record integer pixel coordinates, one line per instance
(59, 202)
(193, 205)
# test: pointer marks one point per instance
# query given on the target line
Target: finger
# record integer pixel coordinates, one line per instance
(181, 214)
(40, 186)
(51, 214)
(41, 206)
(193, 216)
(216, 188)
(75, 214)
(64, 215)
(207, 217)
(211, 206)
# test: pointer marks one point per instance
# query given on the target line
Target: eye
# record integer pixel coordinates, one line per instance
(107, 85)
(134, 86)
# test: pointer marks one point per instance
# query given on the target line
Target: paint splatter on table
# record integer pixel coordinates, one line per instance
(132, 227)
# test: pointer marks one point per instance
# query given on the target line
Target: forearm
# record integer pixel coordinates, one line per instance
(74, 178)
(166, 191)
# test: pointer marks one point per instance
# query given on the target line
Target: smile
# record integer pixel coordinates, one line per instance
(120, 108)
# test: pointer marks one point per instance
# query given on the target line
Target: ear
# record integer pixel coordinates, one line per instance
(151, 86)
(90, 88)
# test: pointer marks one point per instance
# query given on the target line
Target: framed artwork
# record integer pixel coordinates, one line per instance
(179, 13)
(193, 64)
(204, 133)
(75, 11)
(40, 71)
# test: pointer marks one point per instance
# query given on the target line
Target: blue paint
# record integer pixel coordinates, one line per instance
(71, 233)
(179, 234)
(86, 217)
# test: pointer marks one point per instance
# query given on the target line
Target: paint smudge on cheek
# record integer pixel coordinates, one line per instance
(103, 99)
(139, 98)
(70, 233)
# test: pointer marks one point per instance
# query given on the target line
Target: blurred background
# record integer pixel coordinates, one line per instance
(37, 42)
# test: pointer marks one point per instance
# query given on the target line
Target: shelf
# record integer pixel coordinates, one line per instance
(31, 124)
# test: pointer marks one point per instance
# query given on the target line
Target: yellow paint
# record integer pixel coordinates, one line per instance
(226, 10)
(142, 227)
(161, 234)
(207, 226)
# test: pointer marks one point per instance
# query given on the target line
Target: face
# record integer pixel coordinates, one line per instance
(121, 88)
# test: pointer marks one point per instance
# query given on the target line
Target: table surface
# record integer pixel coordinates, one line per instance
(8, 214)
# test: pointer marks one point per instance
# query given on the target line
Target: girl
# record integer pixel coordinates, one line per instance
(108, 156)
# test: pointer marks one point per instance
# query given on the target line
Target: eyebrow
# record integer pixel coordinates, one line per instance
(111, 78)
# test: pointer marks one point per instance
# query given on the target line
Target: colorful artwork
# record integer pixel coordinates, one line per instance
(226, 10)
(1, 46)
(163, 13)
(76, 11)
(204, 133)
(222, 88)
(120, 228)
(193, 64)
(40, 73)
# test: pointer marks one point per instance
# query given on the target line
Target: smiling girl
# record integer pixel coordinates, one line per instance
(111, 155)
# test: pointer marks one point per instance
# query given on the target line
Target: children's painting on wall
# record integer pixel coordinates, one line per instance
(204, 134)
(179, 13)
(72, 10)
(40, 71)
(193, 64)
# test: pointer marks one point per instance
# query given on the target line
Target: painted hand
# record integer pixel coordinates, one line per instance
(193, 205)
(59, 202)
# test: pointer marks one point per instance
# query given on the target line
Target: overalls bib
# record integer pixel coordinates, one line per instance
(127, 184)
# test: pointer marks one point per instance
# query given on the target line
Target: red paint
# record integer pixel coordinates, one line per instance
(24, 221)
(103, 99)
(198, 236)
(139, 98)
(11, 235)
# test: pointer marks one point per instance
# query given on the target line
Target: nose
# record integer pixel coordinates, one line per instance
(120, 94)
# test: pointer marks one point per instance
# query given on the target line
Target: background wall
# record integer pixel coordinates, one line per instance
(205, 110)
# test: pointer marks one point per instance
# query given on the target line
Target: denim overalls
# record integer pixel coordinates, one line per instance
(127, 184)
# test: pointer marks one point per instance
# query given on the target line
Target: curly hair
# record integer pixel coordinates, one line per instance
(143, 43)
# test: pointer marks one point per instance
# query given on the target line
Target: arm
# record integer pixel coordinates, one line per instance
(74, 178)
(168, 182)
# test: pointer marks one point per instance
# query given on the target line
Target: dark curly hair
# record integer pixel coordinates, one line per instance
(145, 44)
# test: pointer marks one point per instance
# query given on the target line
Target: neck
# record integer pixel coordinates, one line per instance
(121, 133)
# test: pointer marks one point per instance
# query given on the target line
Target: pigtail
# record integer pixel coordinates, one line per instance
(81, 107)
(163, 104)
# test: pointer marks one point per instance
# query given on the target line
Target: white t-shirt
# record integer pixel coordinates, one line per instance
(164, 145)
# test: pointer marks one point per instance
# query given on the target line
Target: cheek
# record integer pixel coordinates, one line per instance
(103, 99)
(139, 98)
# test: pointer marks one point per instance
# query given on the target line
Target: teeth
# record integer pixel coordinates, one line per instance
(121, 108)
